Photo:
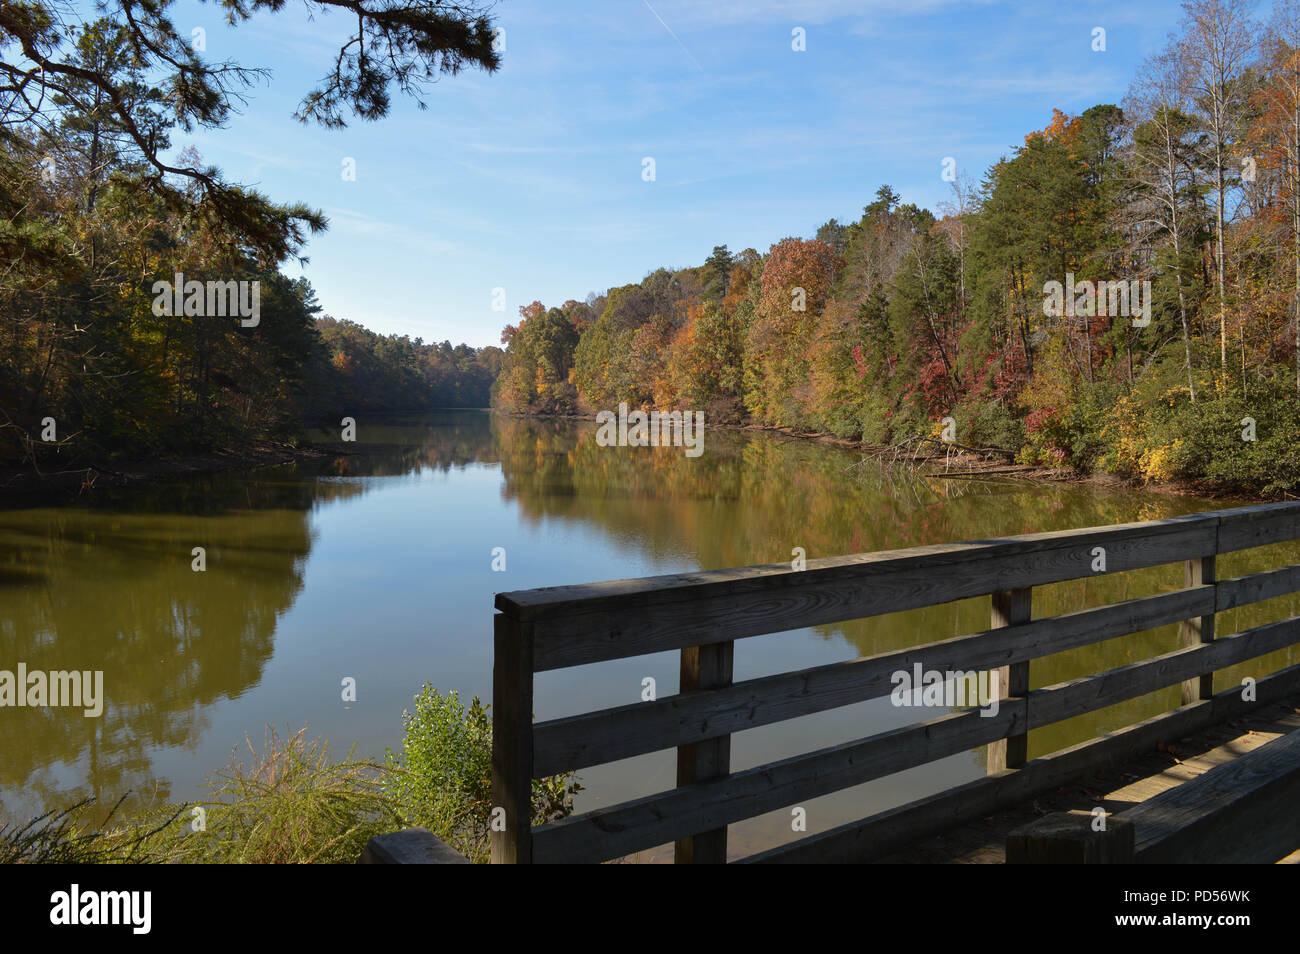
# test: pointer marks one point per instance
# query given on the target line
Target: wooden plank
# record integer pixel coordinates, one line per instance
(607, 735)
(602, 621)
(704, 667)
(1257, 587)
(1011, 608)
(512, 739)
(883, 833)
(1199, 630)
(1239, 813)
(410, 846)
(1089, 693)
(657, 819)
(1189, 768)
(1244, 525)
(1258, 525)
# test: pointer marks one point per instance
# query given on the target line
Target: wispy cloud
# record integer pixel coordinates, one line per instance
(360, 225)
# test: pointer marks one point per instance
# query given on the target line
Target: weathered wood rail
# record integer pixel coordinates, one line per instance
(702, 614)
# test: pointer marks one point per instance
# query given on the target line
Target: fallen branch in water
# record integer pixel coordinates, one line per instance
(916, 450)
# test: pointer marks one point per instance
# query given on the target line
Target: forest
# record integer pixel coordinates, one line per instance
(92, 217)
(879, 329)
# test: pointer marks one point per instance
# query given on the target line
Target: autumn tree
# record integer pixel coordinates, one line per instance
(1281, 117)
(1218, 46)
(797, 277)
(1164, 175)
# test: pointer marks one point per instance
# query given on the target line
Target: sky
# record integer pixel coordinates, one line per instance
(533, 179)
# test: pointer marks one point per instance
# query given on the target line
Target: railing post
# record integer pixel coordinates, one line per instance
(704, 667)
(1071, 838)
(1200, 630)
(512, 739)
(1011, 607)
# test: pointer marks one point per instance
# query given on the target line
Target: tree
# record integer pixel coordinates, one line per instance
(833, 234)
(796, 279)
(1281, 96)
(957, 212)
(718, 268)
(1218, 44)
(1164, 171)
(402, 43)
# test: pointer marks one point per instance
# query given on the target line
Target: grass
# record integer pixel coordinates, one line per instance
(290, 803)
(64, 837)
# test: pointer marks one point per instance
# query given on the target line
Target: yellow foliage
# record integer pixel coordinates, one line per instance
(1124, 431)
(1157, 463)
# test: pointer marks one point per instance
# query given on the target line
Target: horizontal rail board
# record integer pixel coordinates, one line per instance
(602, 621)
(1257, 526)
(885, 832)
(1257, 587)
(1090, 693)
(657, 819)
(594, 738)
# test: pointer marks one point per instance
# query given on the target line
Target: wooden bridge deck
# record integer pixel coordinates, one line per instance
(1116, 789)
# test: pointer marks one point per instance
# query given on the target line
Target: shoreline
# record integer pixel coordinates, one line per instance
(26, 482)
(975, 466)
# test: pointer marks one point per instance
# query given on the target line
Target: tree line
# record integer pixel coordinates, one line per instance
(1168, 226)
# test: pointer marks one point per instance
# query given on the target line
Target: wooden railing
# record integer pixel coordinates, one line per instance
(702, 614)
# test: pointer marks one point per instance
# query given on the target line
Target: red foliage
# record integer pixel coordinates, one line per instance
(1040, 418)
(859, 362)
(932, 379)
(1012, 376)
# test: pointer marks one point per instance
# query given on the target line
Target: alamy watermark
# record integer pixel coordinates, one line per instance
(948, 688)
(654, 429)
(1102, 299)
(60, 688)
(209, 299)
(77, 907)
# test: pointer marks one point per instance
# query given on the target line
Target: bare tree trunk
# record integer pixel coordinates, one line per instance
(1218, 243)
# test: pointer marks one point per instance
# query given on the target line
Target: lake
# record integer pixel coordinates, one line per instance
(378, 568)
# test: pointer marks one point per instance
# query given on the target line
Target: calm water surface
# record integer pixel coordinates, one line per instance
(379, 568)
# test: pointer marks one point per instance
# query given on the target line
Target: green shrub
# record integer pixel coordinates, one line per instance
(442, 780)
(1214, 449)
(990, 423)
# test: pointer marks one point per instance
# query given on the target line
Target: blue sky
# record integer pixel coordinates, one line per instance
(530, 179)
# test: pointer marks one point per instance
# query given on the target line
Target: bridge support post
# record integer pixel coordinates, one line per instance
(1071, 838)
(1010, 608)
(1199, 572)
(704, 667)
(512, 740)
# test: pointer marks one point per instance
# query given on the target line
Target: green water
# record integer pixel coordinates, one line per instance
(379, 568)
